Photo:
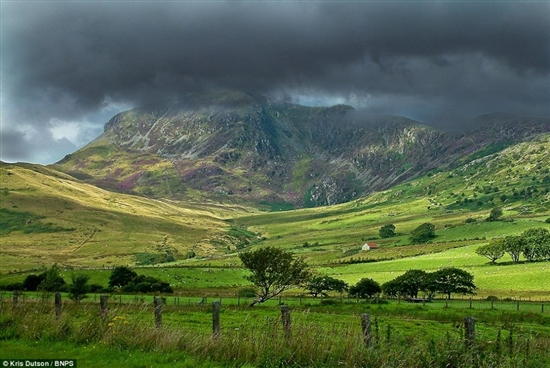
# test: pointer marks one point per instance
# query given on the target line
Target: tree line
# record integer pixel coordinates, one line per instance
(533, 244)
(121, 279)
(273, 270)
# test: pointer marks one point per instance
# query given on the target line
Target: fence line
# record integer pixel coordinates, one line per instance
(299, 300)
(158, 302)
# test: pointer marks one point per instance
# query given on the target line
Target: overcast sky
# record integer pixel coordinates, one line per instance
(68, 66)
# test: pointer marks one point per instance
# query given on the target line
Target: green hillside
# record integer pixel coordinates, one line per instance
(51, 217)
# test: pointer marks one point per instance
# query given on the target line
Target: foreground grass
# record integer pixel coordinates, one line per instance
(98, 355)
(321, 336)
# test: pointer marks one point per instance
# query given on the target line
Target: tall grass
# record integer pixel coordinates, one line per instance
(260, 340)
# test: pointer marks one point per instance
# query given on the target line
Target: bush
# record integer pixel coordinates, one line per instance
(147, 284)
(32, 282)
(423, 233)
(53, 280)
(365, 288)
(13, 287)
(387, 231)
(95, 288)
(247, 293)
(121, 276)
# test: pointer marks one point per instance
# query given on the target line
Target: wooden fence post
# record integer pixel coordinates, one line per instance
(285, 315)
(542, 308)
(15, 298)
(57, 304)
(469, 331)
(157, 304)
(367, 330)
(470, 302)
(216, 306)
(517, 306)
(103, 305)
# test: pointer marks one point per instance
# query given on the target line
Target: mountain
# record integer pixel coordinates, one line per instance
(240, 147)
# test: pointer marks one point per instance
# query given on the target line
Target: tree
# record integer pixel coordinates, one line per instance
(323, 284)
(423, 233)
(492, 251)
(78, 287)
(408, 284)
(537, 244)
(387, 231)
(273, 271)
(121, 276)
(451, 280)
(365, 288)
(52, 280)
(391, 288)
(32, 282)
(147, 284)
(496, 213)
(514, 246)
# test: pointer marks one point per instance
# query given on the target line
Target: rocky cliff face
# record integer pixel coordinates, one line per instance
(231, 145)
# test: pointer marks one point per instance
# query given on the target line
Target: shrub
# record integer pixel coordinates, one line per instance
(32, 282)
(423, 233)
(247, 293)
(365, 288)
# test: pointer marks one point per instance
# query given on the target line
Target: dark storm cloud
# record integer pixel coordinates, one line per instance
(438, 61)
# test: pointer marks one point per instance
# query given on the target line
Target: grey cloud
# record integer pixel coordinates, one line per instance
(436, 61)
(36, 146)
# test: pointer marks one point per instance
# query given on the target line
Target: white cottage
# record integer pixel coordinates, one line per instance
(369, 246)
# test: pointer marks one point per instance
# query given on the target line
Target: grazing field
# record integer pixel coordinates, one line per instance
(320, 334)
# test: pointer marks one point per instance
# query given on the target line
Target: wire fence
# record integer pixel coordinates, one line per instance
(507, 304)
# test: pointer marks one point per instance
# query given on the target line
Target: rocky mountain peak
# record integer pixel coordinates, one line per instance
(241, 146)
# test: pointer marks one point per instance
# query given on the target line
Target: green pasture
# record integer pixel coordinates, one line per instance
(98, 355)
(332, 330)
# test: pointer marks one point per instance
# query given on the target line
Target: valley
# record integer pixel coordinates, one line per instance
(85, 227)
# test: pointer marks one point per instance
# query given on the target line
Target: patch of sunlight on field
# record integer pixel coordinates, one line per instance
(504, 278)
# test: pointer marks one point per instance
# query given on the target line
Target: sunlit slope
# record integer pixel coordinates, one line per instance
(457, 202)
(49, 217)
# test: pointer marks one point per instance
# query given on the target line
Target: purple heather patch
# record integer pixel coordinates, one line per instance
(130, 182)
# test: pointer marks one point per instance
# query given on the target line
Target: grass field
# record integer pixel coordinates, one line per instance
(403, 335)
